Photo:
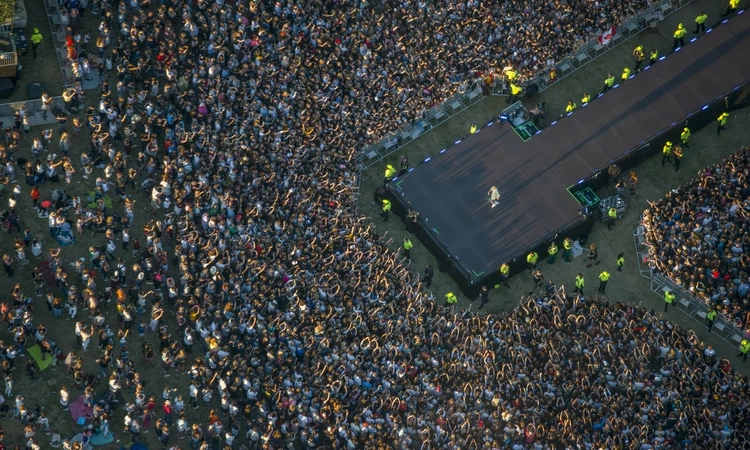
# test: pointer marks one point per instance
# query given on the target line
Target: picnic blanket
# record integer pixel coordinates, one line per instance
(36, 353)
(80, 411)
(100, 439)
(92, 204)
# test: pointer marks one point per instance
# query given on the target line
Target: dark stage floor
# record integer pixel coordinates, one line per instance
(450, 190)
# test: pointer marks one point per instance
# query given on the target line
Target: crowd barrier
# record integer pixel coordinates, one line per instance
(685, 301)
(477, 90)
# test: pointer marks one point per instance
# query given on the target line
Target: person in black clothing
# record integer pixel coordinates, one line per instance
(428, 274)
(484, 294)
(404, 165)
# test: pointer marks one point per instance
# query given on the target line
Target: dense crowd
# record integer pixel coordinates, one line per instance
(699, 236)
(248, 274)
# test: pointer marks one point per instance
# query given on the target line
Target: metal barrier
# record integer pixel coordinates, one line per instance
(33, 110)
(687, 303)
(589, 51)
(641, 252)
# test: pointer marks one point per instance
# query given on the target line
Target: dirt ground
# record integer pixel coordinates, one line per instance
(654, 182)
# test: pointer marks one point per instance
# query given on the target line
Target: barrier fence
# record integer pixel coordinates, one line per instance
(685, 301)
(476, 90)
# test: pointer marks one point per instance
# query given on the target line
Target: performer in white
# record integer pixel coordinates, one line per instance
(494, 196)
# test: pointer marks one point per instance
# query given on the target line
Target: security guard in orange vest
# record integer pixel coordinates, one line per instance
(608, 82)
(386, 209)
(585, 99)
(504, 273)
(571, 107)
(639, 54)
(407, 247)
(677, 157)
(580, 283)
(700, 22)
(711, 318)
(515, 91)
(668, 299)
(732, 7)
(567, 249)
(722, 122)
(685, 137)
(532, 258)
(603, 278)
(679, 37)
(666, 153)
(612, 216)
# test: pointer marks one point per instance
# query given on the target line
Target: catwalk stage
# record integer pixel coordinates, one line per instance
(536, 178)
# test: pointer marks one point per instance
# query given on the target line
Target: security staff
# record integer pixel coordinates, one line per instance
(608, 82)
(404, 165)
(580, 282)
(668, 299)
(744, 348)
(722, 122)
(700, 22)
(390, 172)
(515, 91)
(711, 318)
(567, 249)
(571, 107)
(612, 216)
(666, 153)
(625, 74)
(510, 74)
(639, 54)
(504, 273)
(407, 247)
(428, 274)
(603, 278)
(36, 39)
(620, 261)
(473, 128)
(532, 258)
(679, 37)
(677, 157)
(653, 57)
(685, 137)
(386, 209)
(484, 294)
(552, 250)
(586, 98)
(450, 299)
(732, 7)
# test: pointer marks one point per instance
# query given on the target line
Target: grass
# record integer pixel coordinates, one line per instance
(654, 182)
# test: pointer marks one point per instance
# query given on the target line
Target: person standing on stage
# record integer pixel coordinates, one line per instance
(494, 194)
(700, 22)
(639, 54)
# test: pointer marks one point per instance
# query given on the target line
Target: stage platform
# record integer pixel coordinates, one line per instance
(536, 178)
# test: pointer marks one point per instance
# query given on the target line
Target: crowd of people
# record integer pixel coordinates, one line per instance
(248, 274)
(698, 235)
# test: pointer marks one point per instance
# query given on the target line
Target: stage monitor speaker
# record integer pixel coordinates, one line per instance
(6, 87)
(35, 90)
(532, 90)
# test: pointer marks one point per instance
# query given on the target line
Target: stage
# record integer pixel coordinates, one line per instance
(537, 178)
